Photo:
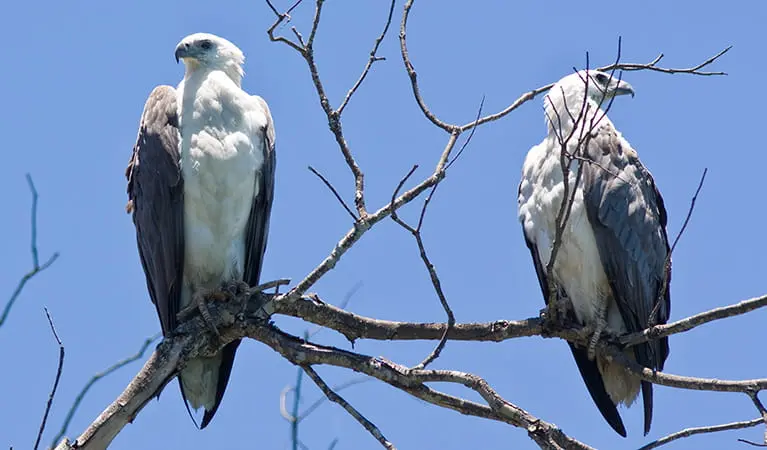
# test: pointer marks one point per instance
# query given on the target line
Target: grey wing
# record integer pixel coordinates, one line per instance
(628, 216)
(155, 193)
(261, 209)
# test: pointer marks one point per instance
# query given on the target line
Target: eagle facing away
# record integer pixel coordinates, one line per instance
(200, 188)
(611, 263)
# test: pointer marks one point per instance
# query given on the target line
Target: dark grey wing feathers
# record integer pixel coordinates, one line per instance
(628, 217)
(261, 209)
(155, 193)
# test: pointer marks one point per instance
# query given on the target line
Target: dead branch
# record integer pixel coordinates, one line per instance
(687, 432)
(416, 232)
(762, 410)
(98, 376)
(334, 191)
(306, 50)
(414, 76)
(59, 370)
(36, 266)
(353, 326)
(652, 65)
(193, 339)
(688, 323)
(373, 58)
(335, 398)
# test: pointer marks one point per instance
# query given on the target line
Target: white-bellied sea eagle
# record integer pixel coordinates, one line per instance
(611, 263)
(200, 188)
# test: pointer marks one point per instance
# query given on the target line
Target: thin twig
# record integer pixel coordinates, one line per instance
(414, 76)
(334, 123)
(687, 432)
(109, 370)
(416, 232)
(373, 58)
(296, 404)
(695, 70)
(335, 192)
(471, 135)
(59, 370)
(280, 18)
(692, 208)
(688, 323)
(530, 95)
(36, 267)
(334, 397)
(337, 388)
(754, 395)
(751, 443)
(667, 263)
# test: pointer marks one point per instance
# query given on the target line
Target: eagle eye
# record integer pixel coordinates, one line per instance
(602, 79)
(206, 45)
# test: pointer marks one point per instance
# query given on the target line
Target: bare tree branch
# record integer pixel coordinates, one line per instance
(373, 58)
(667, 264)
(353, 326)
(193, 339)
(281, 17)
(98, 376)
(688, 323)
(687, 432)
(526, 97)
(335, 192)
(338, 388)
(414, 76)
(307, 52)
(416, 232)
(754, 395)
(754, 444)
(59, 370)
(335, 398)
(36, 266)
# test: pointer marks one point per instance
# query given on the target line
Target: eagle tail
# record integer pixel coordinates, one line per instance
(647, 402)
(596, 386)
(197, 386)
(227, 361)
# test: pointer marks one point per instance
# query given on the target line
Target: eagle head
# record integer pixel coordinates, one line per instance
(208, 51)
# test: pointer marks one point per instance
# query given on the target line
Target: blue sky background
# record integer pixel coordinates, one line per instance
(75, 78)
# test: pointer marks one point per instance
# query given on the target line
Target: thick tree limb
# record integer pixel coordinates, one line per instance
(95, 378)
(192, 339)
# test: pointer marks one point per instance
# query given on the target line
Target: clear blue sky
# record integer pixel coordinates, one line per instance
(75, 77)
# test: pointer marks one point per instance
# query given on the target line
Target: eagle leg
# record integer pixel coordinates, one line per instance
(557, 311)
(599, 328)
(198, 302)
(235, 288)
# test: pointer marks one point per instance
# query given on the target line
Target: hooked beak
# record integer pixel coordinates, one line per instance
(623, 88)
(182, 51)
